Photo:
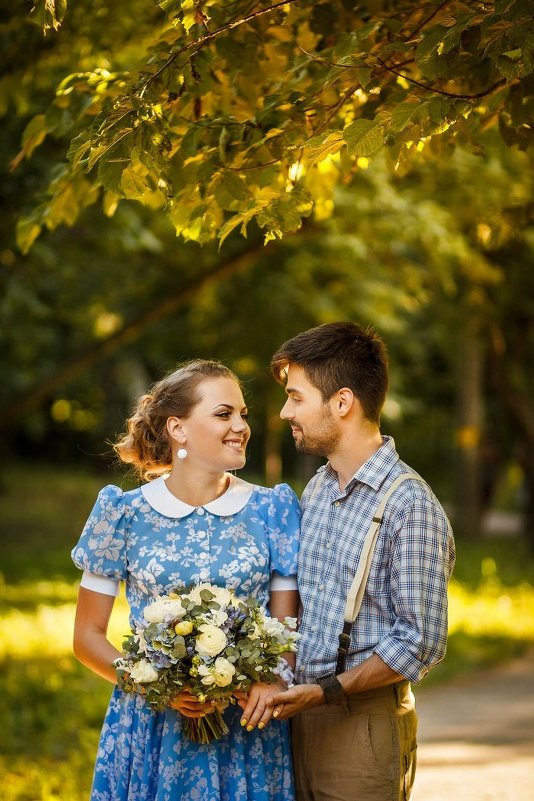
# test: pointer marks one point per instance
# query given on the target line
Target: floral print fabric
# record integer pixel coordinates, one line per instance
(142, 755)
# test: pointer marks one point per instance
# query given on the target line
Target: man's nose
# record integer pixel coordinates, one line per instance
(285, 412)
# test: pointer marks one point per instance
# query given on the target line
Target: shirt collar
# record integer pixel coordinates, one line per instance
(373, 472)
(160, 498)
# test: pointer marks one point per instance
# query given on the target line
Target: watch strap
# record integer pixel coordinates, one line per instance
(332, 689)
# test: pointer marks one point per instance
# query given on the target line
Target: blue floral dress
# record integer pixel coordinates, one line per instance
(155, 542)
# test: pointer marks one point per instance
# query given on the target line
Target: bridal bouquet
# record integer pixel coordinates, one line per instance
(208, 640)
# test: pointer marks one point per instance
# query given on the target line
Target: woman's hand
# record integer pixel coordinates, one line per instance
(256, 709)
(188, 704)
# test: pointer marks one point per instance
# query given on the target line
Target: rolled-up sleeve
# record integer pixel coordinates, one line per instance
(422, 559)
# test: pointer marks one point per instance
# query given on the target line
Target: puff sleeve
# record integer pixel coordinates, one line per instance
(282, 517)
(101, 548)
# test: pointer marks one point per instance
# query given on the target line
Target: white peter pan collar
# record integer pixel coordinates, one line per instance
(163, 501)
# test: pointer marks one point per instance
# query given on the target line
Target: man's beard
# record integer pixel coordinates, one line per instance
(323, 441)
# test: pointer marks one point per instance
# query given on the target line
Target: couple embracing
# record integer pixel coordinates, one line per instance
(366, 555)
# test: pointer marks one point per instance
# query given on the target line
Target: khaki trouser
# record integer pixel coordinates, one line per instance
(366, 752)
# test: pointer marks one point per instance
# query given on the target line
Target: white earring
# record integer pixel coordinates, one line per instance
(181, 453)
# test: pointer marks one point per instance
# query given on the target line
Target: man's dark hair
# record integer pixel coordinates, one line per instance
(337, 355)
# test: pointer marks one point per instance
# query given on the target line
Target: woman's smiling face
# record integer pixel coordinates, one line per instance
(216, 431)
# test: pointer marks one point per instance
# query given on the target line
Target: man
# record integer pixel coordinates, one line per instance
(354, 734)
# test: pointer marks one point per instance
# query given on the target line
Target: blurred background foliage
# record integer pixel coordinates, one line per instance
(438, 256)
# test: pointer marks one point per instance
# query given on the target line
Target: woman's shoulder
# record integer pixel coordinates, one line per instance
(282, 490)
(280, 496)
(113, 497)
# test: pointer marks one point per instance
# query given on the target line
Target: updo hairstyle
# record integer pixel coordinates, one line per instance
(146, 445)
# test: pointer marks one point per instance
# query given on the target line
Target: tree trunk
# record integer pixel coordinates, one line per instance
(467, 517)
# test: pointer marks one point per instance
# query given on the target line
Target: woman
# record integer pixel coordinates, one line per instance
(194, 523)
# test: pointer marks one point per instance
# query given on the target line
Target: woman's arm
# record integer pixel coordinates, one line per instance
(91, 645)
(282, 604)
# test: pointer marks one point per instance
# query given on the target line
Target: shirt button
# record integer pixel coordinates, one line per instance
(314, 627)
(203, 556)
(321, 586)
(201, 534)
(336, 503)
(329, 544)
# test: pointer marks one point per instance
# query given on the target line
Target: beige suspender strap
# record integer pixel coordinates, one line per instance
(355, 596)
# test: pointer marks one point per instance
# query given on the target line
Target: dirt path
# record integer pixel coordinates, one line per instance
(476, 737)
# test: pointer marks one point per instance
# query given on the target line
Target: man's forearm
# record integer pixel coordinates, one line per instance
(368, 675)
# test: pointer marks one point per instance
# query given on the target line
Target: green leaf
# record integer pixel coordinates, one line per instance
(231, 224)
(283, 215)
(427, 55)
(132, 184)
(48, 14)
(320, 147)
(28, 229)
(110, 201)
(231, 190)
(403, 114)
(116, 159)
(438, 108)
(34, 133)
(364, 76)
(364, 137)
(110, 174)
(507, 67)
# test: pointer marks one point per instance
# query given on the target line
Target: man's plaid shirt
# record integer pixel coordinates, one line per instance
(403, 617)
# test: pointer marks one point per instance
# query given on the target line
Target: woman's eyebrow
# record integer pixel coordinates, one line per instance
(227, 406)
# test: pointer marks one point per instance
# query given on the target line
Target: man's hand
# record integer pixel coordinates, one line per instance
(295, 700)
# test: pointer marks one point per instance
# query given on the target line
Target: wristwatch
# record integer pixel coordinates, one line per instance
(332, 689)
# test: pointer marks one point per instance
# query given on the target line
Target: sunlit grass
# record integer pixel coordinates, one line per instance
(39, 617)
(51, 706)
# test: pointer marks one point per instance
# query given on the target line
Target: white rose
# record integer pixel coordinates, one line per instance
(216, 617)
(223, 672)
(206, 673)
(221, 595)
(163, 610)
(143, 672)
(210, 641)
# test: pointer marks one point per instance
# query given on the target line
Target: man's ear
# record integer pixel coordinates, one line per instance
(344, 401)
(175, 430)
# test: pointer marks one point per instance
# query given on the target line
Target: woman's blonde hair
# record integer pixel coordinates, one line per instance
(146, 444)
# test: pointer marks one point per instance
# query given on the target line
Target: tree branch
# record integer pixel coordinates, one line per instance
(130, 332)
(430, 88)
(200, 42)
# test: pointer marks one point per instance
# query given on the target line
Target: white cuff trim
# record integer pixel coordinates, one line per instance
(279, 583)
(102, 584)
